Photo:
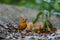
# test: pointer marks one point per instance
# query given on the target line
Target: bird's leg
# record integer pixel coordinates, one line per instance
(19, 31)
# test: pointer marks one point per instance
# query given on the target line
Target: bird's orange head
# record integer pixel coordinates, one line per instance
(23, 20)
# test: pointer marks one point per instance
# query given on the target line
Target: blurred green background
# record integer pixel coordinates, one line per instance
(38, 4)
(49, 5)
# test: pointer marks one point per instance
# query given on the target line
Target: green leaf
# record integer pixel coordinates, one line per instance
(37, 17)
(50, 24)
(56, 5)
(45, 5)
(47, 23)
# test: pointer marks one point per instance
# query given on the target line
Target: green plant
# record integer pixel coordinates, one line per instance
(46, 22)
(37, 17)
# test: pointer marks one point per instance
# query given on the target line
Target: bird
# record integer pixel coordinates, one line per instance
(23, 24)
